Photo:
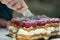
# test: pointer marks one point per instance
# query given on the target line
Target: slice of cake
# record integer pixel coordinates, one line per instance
(34, 28)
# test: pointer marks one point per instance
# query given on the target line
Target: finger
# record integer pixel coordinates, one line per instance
(4, 1)
(21, 10)
(24, 7)
(11, 3)
(24, 4)
(17, 5)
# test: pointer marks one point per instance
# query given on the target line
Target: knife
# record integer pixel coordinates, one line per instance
(28, 13)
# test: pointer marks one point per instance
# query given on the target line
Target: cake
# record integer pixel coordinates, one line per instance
(31, 28)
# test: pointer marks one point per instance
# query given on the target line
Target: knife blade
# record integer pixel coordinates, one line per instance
(28, 13)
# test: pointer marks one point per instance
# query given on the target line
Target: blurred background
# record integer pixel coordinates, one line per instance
(50, 8)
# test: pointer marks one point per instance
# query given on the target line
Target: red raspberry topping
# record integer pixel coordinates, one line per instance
(27, 25)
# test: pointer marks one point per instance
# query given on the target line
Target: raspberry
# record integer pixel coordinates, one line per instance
(22, 24)
(41, 23)
(33, 24)
(27, 25)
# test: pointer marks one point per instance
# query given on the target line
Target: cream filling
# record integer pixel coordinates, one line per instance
(59, 31)
(32, 32)
(12, 28)
(38, 31)
(59, 28)
(50, 29)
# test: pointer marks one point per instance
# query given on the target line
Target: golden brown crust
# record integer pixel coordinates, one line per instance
(55, 24)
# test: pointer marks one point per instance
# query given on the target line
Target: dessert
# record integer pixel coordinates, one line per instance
(37, 27)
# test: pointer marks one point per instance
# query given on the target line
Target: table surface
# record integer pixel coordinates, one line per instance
(4, 32)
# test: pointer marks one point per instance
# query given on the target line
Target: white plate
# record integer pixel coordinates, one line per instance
(3, 33)
(56, 39)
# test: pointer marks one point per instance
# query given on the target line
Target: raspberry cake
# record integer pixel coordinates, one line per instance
(37, 27)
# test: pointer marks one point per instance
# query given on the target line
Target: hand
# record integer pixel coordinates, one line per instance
(3, 22)
(18, 5)
(23, 7)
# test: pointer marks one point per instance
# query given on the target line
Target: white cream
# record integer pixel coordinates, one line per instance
(57, 29)
(50, 29)
(12, 28)
(21, 31)
(39, 31)
(31, 32)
